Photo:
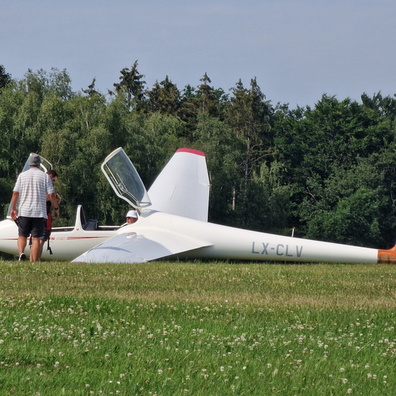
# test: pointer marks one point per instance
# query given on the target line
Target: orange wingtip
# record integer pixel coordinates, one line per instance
(387, 256)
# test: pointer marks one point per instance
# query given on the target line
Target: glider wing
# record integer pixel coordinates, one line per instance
(132, 247)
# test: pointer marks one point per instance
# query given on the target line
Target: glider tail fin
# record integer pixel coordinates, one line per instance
(182, 188)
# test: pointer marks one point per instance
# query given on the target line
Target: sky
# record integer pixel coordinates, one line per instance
(297, 50)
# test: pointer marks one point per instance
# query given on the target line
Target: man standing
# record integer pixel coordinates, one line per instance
(31, 188)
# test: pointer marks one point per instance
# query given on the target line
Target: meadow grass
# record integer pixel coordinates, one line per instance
(195, 328)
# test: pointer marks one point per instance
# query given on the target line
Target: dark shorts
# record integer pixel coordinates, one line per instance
(34, 226)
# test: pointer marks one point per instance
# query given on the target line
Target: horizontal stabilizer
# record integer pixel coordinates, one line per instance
(131, 247)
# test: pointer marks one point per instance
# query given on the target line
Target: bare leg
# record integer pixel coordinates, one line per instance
(41, 246)
(35, 250)
(22, 244)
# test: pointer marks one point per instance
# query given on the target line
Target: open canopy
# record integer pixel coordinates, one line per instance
(124, 179)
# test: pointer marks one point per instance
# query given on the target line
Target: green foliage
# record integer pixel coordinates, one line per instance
(6, 187)
(5, 78)
(351, 206)
(223, 151)
(164, 97)
(327, 170)
(269, 203)
(131, 87)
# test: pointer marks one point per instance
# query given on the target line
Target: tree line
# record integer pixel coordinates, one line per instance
(326, 171)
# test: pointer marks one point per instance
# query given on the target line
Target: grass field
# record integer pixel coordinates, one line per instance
(197, 329)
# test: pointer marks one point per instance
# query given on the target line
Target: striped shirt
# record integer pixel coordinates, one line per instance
(33, 185)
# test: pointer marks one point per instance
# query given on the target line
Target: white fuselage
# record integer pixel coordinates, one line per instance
(239, 244)
(221, 242)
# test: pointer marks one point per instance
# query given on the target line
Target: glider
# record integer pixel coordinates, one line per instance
(173, 223)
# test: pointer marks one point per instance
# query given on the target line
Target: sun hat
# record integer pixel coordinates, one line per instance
(132, 213)
(34, 160)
